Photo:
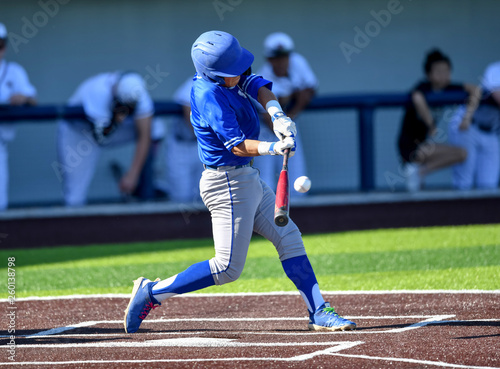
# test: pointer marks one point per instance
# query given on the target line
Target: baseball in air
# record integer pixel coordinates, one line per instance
(302, 184)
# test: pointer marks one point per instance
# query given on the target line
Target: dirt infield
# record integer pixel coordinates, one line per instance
(402, 330)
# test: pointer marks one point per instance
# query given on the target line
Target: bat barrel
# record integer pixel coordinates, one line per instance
(282, 205)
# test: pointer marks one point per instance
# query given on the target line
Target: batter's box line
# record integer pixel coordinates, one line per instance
(196, 342)
(412, 361)
(431, 319)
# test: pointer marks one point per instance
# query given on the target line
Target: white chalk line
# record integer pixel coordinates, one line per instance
(335, 347)
(277, 293)
(413, 361)
(211, 342)
(183, 342)
(334, 350)
(429, 319)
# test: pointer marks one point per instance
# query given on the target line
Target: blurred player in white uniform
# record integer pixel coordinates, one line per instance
(15, 89)
(294, 84)
(479, 136)
(119, 110)
(183, 163)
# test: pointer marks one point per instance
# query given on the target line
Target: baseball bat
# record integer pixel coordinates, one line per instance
(282, 205)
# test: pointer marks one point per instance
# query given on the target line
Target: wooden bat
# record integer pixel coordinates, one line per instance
(282, 205)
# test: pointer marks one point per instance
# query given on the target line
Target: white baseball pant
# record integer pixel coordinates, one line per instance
(183, 170)
(78, 154)
(482, 166)
(7, 134)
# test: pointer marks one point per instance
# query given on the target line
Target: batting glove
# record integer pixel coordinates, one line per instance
(277, 148)
(283, 126)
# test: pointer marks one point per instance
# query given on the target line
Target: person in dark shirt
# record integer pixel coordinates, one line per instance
(420, 153)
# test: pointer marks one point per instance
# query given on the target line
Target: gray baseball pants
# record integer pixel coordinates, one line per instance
(241, 203)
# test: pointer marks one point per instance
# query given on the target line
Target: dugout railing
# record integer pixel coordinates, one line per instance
(364, 104)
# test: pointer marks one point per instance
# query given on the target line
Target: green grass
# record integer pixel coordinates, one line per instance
(453, 258)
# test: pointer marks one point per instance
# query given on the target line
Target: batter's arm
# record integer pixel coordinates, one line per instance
(283, 126)
(265, 95)
(129, 181)
(258, 148)
(247, 148)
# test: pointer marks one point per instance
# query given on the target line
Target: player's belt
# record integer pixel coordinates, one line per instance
(226, 168)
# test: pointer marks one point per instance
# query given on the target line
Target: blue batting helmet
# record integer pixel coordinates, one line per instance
(218, 54)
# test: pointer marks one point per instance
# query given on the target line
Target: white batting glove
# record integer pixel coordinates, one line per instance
(283, 126)
(277, 148)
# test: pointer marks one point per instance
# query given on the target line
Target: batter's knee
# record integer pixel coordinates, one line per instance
(225, 272)
(291, 245)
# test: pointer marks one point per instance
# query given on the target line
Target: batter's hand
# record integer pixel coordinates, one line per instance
(287, 143)
(283, 126)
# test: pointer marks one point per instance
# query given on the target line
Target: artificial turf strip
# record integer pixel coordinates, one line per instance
(466, 257)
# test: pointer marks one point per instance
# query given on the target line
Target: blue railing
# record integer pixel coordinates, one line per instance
(364, 104)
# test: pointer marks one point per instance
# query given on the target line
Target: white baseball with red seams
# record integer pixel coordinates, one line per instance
(302, 184)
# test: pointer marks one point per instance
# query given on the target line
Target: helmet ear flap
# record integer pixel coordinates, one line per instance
(217, 80)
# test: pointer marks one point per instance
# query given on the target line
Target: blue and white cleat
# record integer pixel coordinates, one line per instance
(326, 319)
(140, 304)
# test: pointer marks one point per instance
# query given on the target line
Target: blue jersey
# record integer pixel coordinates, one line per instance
(225, 117)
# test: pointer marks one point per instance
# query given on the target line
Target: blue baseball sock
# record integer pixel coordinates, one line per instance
(301, 273)
(196, 277)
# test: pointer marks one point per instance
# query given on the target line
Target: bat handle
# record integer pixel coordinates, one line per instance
(281, 218)
(285, 158)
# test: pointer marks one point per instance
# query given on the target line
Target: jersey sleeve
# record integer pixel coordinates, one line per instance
(251, 84)
(223, 121)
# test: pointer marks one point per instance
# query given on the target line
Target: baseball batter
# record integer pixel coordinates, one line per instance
(226, 125)
(15, 89)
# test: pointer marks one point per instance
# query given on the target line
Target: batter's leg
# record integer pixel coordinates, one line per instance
(232, 199)
(291, 251)
(232, 207)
